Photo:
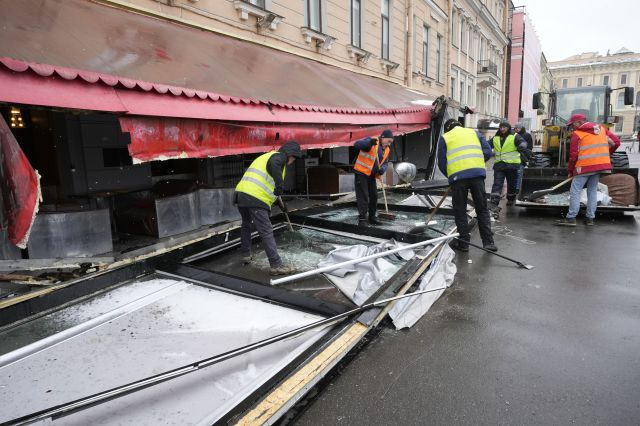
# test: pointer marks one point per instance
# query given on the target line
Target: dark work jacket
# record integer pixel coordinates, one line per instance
(275, 165)
(521, 145)
(525, 156)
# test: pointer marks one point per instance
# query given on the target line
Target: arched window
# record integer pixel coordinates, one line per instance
(620, 100)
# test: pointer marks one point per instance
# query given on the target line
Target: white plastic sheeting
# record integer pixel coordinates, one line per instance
(406, 312)
(361, 280)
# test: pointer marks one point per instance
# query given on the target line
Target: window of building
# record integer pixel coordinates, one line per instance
(314, 15)
(619, 124)
(620, 103)
(385, 29)
(259, 3)
(439, 59)
(453, 87)
(637, 99)
(605, 80)
(565, 83)
(454, 28)
(483, 46)
(462, 92)
(425, 50)
(356, 23)
(623, 79)
(579, 82)
(463, 35)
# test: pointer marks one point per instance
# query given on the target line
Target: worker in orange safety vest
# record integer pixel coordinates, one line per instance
(371, 163)
(589, 155)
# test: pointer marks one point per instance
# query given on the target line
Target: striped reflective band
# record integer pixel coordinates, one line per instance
(464, 157)
(597, 145)
(362, 164)
(268, 190)
(602, 154)
(366, 155)
(464, 148)
(263, 175)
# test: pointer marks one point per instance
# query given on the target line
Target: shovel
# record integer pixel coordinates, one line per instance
(421, 228)
(386, 213)
(537, 194)
(283, 207)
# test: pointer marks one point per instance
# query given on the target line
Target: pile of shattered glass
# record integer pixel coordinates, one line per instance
(562, 199)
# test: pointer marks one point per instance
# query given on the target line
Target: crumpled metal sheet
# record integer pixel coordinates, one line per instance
(358, 282)
(406, 312)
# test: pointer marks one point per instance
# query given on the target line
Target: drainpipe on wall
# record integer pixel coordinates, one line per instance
(447, 63)
(408, 75)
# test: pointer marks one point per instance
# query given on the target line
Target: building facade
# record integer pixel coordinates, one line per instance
(453, 48)
(524, 70)
(619, 69)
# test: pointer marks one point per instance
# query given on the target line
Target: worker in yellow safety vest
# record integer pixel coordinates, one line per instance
(371, 163)
(462, 153)
(256, 192)
(507, 146)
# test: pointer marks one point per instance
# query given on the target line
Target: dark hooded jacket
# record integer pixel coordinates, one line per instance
(275, 165)
(525, 156)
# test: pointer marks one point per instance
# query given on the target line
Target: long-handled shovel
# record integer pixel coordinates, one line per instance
(517, 262)
(421, 228)
(386, 213)
(537, 194)
(283, 207)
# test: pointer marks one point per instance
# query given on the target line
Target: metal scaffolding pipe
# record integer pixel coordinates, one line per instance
(362, 259)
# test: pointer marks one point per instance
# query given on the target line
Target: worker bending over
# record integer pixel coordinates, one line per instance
(461, 156)
(589, 155)
(259, 187)
(371, 163)
(507, 146)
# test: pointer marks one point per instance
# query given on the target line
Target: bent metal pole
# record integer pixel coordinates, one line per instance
(362, 259)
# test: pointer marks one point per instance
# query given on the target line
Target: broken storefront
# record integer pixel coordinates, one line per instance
(131, 209)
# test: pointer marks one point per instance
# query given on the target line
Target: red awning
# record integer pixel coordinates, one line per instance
(83, 55)
(21, 188)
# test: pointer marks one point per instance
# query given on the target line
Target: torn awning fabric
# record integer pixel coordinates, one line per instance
(20, 188)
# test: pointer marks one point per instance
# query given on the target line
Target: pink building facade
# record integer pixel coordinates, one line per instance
(524, 76)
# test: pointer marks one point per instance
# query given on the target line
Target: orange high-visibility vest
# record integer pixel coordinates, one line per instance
(594, 149)
(366, 159)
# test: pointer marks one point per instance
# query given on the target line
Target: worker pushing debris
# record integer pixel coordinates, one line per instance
(462, 153)
(371, 163)
(256, 192)
(589, 155)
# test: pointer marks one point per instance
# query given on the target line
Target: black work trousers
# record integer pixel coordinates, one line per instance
(366, 195)
(511, 174)
(460, 191)
(259, 218)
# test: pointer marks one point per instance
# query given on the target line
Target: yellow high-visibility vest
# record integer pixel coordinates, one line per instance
(507, 153)
(464, 150)
(257, 182)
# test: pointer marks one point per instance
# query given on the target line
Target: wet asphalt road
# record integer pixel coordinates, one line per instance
(559, 344)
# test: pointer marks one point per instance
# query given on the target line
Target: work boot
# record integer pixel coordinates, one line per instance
(280, 270)
(363, 223)
(589, 221)
(459, 245)
(566, 222)
(246, 259)
(374, 220)
(490, 246)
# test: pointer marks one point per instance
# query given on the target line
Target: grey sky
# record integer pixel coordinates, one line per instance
(568, 27)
